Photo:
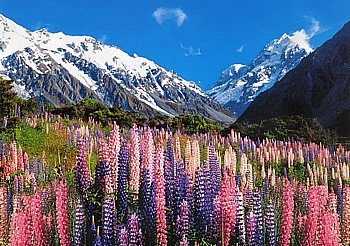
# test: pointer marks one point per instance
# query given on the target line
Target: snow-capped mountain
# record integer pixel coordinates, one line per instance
(239, 84)
(59, 68)
(318, 88)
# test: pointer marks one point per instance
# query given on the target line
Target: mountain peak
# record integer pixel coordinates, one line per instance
(301, 38)
(238, 85)
(285, 43)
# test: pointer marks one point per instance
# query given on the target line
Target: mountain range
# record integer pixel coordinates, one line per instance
(60, 69)
(286, 78)
(319, 87)
(239, 84)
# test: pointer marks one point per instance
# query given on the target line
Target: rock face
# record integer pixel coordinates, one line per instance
(58, 68)
(239, 84)
(319, 87)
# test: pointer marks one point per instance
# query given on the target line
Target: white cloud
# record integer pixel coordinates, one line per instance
(102, 38)
(176, 14)
(190, 51)
(240, 49)
(315, 27)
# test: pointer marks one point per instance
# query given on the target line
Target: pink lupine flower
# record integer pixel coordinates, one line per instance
(3, 215)
(287, 215)
(326, 232)
(228, 207)
(160, 198)
(38, 219)
(134, 156)
(147, 150)
(177, 148)
(195, 155)
(21, 229)
(62, 214)
(188, 159)
(20, 166)
(25, 162)
(346, 215)
(114, 147)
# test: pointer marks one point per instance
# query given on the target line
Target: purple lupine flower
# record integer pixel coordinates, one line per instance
(259, 221)
(209, 201)
(108, 214)
(239, 180)
(15, 185)
(100, 174)
(200, 204)
(122, 236)
(21, 184)
(266, 188)
(82, 176)
(9, 201)
(270, 225)
(1, 146)
(147, 205)
(250, 230)
(32, 183)
(179, 188)
(182, 222)
(98, 240)
(79, 224)
(122, 201)
(215, 170)
(215, 225)
(240, 219)
(189, 197)
(169, 172)
(39, 171)
(339, 193)
(135, 233)
(4, 122)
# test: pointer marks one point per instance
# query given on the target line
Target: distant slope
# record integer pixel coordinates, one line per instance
(239, 84)
(318, 88)
(59, 68)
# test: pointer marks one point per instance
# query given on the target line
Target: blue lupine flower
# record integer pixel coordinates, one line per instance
(147, 205)
(215, 170)
(270, 225)
(259, 220)
(122, 201)
(200, 204)
(240, 223)
(79, 223)
(108, 215)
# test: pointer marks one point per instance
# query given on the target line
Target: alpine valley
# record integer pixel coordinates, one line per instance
(239, 84)
(60, 69)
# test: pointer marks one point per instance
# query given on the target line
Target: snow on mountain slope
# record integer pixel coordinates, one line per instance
(239, 84)
(60, 68)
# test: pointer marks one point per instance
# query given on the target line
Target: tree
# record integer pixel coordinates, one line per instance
(7, 97)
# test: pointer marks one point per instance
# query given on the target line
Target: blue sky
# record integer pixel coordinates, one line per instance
(195, 38)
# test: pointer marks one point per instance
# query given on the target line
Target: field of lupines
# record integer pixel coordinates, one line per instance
(143, 186)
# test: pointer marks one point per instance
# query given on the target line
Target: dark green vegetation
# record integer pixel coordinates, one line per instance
(92, 109)
(296, 127)
(13, 107)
